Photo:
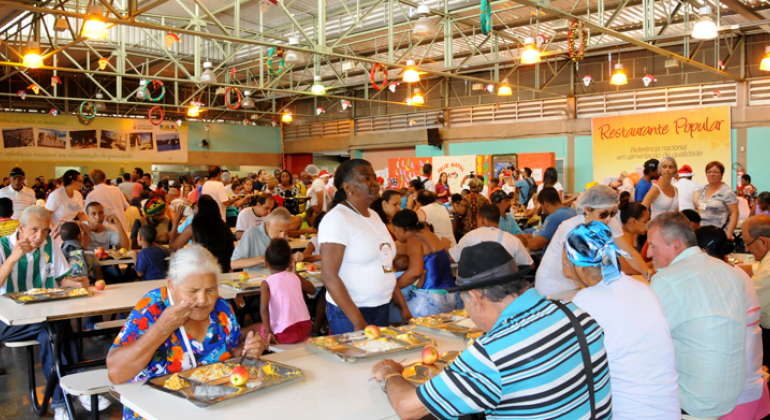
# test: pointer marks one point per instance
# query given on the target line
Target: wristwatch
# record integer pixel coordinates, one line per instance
(384, 382)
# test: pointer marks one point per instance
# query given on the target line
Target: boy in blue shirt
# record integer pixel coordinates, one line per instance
(645, 183)
(507, 222)
(525, 185)
(151, 261)
(551, 204)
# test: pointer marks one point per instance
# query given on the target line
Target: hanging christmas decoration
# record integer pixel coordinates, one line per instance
(155, 84)
(648, 78)
(86, 112)
(319, 111)
(227, 98)
(178, 123)
(274, 123)
(246, 121)
(540, 40)
(265, 5)
(159, 121)
(408, 101)
(22, 94)
(53, 112)
(490, 88)
(721, 65)
(587, 79)
(576, 40)
(392, 86)
(716, 94)
(232, 72)
(55, 81)
(345, 105)
(35, 88)
(275, 52)
(379, 71)
(171, 38)
(411, 123)
(486, 17)
(208, 127)
(103, 63)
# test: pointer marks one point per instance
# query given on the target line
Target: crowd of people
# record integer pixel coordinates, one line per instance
(658, 324)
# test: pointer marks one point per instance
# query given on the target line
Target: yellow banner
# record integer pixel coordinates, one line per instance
(691, 136)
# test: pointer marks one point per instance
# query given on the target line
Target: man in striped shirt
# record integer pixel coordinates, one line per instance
(30, 259)
(532, 363)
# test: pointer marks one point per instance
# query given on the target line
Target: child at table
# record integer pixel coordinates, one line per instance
(151, 263)
(73, 251)
(313, 251)
(285, 318)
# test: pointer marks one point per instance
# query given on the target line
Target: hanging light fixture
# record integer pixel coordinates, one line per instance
(247, 102)
(530, 55)
(504, 89)
(140, 90)
(287, 117)
(318, 89)
(417, 99)
(95, 28)
(99, 104)
(32, 58)
(192, 111)
(410, 74)
(619, 77)
(61, 24)
(424, 27)
(208, 77)
(765, 65)
(291, 56)
(706, 27)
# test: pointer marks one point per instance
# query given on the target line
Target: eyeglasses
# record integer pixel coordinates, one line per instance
(750, 243)
(608, 213)
(713, 173)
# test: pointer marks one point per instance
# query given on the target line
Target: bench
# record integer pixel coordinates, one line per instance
(91, 383)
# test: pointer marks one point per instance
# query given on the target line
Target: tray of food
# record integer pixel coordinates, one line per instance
(47, 295)
(207, 385)
(429, 366)
(456, 323)
(308, 269)
(371, 342)
(244, 283)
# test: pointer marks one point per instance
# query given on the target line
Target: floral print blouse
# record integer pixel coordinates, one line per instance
(222, 338)
(473, 202)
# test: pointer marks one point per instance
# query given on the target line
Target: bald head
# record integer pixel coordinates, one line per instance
(756, 235)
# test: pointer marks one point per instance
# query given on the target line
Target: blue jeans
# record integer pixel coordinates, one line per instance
(394, 315)
(39, 332)
(424, 303)
(340, 324)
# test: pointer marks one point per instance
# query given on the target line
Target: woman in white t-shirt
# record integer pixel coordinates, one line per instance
(357, 252)
(597, 203)
(66, 203)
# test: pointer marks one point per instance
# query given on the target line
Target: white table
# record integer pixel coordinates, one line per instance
(331, 390)
(297, 243)
(228, 293)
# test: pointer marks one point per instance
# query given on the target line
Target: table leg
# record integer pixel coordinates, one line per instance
(56, 331)
(40, 408)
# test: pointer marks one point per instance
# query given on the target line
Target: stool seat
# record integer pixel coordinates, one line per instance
(86, 383)
(25, 343)
(109, 324)
(278, 348)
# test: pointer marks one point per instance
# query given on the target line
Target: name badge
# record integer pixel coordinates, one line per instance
(386, 256)
(702, 206)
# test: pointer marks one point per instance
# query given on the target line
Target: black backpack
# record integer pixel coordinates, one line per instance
(532, 189)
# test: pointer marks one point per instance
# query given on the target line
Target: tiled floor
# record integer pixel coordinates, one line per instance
(14, 401)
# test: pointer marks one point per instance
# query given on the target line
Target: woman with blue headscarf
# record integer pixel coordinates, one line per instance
(637, 335)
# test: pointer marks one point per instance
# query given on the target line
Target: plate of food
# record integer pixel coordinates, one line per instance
(429, 366)
(373, 341)
(455, 323)
(207, 385)
(244, 282)
(37, 295)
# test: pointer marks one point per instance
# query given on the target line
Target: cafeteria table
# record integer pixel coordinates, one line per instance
(331, 390)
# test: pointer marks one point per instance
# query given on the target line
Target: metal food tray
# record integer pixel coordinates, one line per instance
(418, 373)
(21, 297)
(445, 323)
(243, 285)
(264, 374)
(345, 346)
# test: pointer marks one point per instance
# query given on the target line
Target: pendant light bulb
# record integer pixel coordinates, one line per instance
(423, 27)
(410, 74)
(95, 27)
(765, 65)
(286, 117)
(619, 77)
(32, 58)
(530, 55)
(208, 77)
(504, 89)
(140, 91)
(318, 89)
(706, 27)
(247, 102)
(291, 56)
(417, 99)
(99, 104)
(192, 111)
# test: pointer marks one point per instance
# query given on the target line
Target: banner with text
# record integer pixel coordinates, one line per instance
(456, 168)
(691, 136)
(39, 137)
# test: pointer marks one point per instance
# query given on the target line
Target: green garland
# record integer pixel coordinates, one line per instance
(84, 118)
(486, 17)
(275, 51)
(155, 83)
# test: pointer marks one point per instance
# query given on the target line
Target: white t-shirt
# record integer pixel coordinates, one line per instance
(639, 347)
(556, 186)
(490, 234)
(62, 207)
(21, 199)
(549, 278)
(107, 239)
(361, 269)
(113, 201)
(437, 216)
(686, 188)
(317, 185)
(754, 373)
(427, 183)
(216, 190)
(246, 219)
(316, 245)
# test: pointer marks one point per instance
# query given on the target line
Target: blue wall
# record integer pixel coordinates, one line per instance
(757, 151)
(428, 151)
(584, 162)
(234, 138)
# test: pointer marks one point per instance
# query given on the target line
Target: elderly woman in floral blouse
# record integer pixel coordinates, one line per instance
(151, 343)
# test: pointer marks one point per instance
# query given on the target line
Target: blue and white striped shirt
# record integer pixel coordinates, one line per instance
(529, 366)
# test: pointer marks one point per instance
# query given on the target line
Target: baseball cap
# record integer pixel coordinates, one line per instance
(474, 270)
(498, 196)
(651, 165)
(16, 172)
(685, 170)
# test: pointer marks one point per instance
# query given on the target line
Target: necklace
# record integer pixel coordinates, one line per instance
(354, 208)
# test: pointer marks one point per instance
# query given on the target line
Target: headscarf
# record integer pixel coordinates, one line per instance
(591, 245)
(155, 206)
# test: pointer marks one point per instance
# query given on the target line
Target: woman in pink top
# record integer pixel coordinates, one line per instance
(285, 318)
(442, 188)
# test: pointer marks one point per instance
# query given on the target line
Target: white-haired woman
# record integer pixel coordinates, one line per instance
(599, 203)
(663, 197)
(151, 342)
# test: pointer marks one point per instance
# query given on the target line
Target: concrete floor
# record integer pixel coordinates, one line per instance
(14, 400)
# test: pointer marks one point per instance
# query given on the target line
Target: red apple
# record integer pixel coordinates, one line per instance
(372, 331)
(311, 267)
(100, 253)
(429, 355)
(239, 376)
(100, 285)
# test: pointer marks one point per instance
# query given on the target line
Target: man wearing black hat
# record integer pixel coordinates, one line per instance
(645, 183)
(533, 362)
(21, 195)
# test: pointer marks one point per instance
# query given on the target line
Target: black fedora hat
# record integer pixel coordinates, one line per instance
(486, 264)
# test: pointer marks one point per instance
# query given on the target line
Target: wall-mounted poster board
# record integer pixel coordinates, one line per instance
(403, 170)
(538, 162)
(456, 168)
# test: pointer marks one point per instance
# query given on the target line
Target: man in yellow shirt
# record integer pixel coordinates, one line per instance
(302, 183)
(7, 224)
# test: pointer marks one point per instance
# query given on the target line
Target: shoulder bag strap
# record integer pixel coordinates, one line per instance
(589, 371)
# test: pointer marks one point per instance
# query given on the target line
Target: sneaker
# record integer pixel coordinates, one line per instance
(60, 413)
(85, 401)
